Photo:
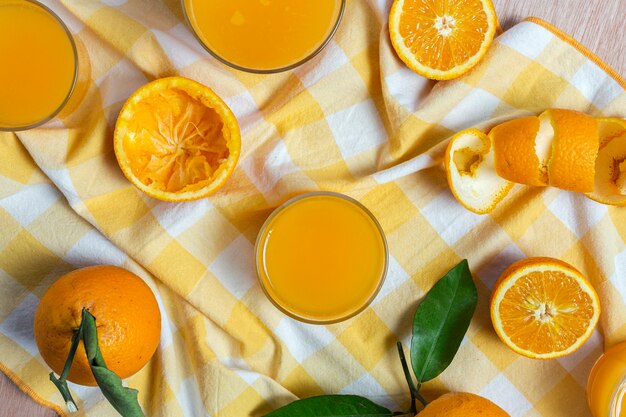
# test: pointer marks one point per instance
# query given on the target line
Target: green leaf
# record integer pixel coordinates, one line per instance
(441, 321)
(332, 406)
(124, 400)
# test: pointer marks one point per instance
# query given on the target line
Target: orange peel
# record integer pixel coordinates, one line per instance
(514, 151)
(574, 150)
(610, 175)
(610, 128)
(176, 140)
(469, 165)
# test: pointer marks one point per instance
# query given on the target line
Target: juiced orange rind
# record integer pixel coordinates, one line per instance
(469, 164)
(176, 140)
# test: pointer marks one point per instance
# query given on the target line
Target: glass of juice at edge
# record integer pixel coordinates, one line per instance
(321, 257)
(606, 387)
(263, 36)
(39, 64)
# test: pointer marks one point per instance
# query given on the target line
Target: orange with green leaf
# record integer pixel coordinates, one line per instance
(439, 325)
(96, 326)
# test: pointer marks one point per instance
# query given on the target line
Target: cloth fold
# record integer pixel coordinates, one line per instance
(352, 120)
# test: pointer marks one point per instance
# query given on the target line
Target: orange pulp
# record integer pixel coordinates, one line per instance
(321, 257)
(606, 387)
(38, 64)
(263, 34)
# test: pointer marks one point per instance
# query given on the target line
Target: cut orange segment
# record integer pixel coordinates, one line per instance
(470, 171)
(176, 140)
(610, 176)
(442, 39)
(574, 150)
(514, 151)
(543, 308)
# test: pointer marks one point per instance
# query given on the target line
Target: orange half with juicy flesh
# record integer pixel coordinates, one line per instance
(176, 140)
(469, 165)
(442, 39)
(574, 150)
(543, 308)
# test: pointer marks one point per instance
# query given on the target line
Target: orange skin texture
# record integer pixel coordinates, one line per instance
(127, 318)
(530, 263)
(515, 156)
(462, 404)
(574, 150)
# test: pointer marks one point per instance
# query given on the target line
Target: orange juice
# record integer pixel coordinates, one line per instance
(606, 387)
(321, 257)
(38, 64)
(263, 35)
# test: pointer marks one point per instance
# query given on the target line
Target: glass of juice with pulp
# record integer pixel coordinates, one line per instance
(39, 64)
(606, 387)
(321, 257)
(263, 36)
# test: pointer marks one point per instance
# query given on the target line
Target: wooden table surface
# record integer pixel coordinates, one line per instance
(597, 24)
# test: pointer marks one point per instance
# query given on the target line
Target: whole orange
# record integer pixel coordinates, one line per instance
(462, 404)
(127, 318)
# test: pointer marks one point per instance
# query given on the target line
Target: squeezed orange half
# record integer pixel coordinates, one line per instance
(263, 35)
(38, 64)
(321, 257)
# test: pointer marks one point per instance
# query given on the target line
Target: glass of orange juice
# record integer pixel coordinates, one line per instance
(321, 257)
(606, 387)
(39, 64)
(263, 36)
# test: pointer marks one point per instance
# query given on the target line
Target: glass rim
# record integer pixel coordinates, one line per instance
(288, 203)
(74, 78)
(617, 398)
(271, 70)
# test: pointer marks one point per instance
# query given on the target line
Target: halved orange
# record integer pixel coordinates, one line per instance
(543, 308)
(176, 140)
(470, 172)
(610, 176)
(442, 39)
(574, 150)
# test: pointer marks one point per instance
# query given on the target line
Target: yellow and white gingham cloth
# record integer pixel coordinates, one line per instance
(353, 120)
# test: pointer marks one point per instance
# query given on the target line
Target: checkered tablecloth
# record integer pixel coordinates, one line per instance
(353, 120)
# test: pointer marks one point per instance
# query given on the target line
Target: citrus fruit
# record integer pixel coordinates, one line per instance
(469, 165)
(515, 152)
(610, 176)
(441, 39)
(574, 150)
(127, 318)
(176, 140)
(609, 128)
(543, 308)
(462, 404)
